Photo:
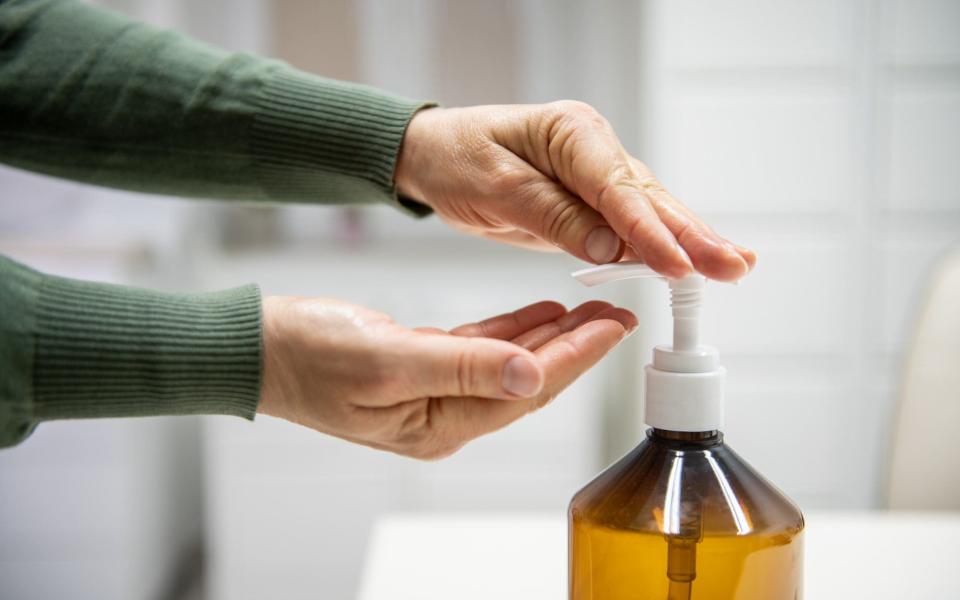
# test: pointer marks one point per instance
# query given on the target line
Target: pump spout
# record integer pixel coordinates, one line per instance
(628, 269)
(686, 297)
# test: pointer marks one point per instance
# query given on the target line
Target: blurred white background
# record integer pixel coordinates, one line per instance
(825, 134)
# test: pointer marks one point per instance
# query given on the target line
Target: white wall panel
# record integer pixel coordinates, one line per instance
(792, 303)
(781, 432)
(768, 150)
(93, 510)
(923, 31)
(923, 171)
(411, 45)
(751, 33)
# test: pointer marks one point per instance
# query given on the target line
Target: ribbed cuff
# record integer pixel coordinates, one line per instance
(105, 350)
(18, 296)
(316, 137)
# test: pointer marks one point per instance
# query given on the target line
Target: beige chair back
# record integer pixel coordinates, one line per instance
(925, 460)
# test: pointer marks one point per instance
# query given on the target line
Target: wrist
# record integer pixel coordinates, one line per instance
(413, 156)
(271, 393)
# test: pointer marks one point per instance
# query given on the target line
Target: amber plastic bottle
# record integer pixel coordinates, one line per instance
(683, 517)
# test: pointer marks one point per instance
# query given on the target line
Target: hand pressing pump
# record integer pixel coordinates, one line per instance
(682, 516)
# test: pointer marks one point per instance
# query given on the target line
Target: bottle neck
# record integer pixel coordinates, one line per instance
(695, 438)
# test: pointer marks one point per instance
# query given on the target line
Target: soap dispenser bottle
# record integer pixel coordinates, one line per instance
(682, 516)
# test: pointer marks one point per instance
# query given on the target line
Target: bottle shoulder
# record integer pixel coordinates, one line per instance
(658, 486)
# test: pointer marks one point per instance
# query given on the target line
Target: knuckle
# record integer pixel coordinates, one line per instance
(575, 108)
(467, 369)
(560, 220)
(562, 145)
(581, 114)
(619, 176)
(650, 184)
(622, 174)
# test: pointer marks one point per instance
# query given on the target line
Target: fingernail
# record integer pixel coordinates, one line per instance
(733, 252)
(741, 251)
(602, 245)
(521, 377)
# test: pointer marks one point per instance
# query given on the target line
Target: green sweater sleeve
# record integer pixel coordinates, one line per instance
(88, 95)
(76, 349)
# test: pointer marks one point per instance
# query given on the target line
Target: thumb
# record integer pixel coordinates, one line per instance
(446, 365)
(589, 160)
(549, 211)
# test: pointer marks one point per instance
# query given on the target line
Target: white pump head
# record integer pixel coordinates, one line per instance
(684, 384)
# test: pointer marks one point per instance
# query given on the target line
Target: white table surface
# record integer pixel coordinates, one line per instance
(848, 555)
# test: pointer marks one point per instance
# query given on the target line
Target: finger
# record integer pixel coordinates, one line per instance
(546, 209)
(711, 254)
(452, 365)
(749, 256)
(510, 325)
(590, 161)
(627, 319)
(663, 199)
(436, 330)
(538, 336)
(568, 356)
(458, 420)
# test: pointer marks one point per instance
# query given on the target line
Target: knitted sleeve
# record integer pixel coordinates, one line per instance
(89, 95)
(74, 349)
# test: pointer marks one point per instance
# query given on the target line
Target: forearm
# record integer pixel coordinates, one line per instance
(88, 95)
(75, 349)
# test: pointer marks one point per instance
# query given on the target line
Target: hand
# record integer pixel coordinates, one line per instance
(354, 373)
(556, 176)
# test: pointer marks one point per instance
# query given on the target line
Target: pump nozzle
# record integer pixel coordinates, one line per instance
(684, 383)
(686, 297)
(613, 272)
